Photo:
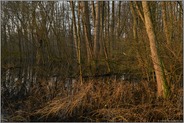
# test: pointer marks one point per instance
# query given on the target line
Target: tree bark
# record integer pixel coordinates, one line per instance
(112, 27)
(77, 42)
(87, 30)
(162, 89)
(102, 40)
(165, 23)
(97, 31)
(93, 12)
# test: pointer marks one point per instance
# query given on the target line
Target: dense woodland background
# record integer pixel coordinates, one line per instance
(90, 61)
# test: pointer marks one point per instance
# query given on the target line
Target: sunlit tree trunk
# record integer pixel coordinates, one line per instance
(162, 87)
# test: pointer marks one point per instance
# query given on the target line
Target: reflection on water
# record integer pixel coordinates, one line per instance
(22, 80)
(15, 80)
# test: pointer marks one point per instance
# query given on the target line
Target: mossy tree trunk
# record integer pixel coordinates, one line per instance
(162, 87)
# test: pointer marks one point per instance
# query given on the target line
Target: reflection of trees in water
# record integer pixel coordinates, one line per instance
(16, 84)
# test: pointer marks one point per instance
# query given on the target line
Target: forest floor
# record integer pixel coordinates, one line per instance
(96, 101)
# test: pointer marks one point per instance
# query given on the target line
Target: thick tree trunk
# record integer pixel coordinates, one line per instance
(162, 89)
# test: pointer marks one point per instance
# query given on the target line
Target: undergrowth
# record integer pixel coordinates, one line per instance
(96, 101)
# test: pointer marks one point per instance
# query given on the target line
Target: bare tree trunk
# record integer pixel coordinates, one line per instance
(134, 21)
(79, 46)
(162, 88)
(108, 29)
(171, 20)
(119, 18)
(38, 41)
(165, 23)
(87, 30)
(102, 41)
(135, 37)
(97, 32)
(93, 12)
(77, 41)
(140, 13)
(112, 27)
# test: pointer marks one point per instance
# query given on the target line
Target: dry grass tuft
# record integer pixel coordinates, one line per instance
(66, 106)
(100, 101)
(139, 113)
(117, 101)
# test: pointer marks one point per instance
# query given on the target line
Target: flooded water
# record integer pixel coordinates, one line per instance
(20, 81)
(13, 80)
